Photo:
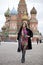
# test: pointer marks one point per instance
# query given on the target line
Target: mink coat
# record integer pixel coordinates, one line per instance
(30, 33)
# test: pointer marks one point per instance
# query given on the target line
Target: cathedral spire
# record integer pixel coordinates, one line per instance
(22, 12)
(22, 6)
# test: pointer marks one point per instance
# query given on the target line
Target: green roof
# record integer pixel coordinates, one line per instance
(7, 13)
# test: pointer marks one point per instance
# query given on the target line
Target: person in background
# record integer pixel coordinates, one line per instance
(37, 40)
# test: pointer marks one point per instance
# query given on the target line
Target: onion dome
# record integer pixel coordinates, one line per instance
(7, 13)
(25, 16)
(4, 28)
(13, 11)
(33, 11)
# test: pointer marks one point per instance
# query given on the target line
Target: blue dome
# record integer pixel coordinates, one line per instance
(13, 12)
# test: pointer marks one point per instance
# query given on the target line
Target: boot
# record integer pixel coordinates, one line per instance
(23, 56)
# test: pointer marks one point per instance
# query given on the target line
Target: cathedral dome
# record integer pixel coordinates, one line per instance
(25, 16)
(13, 12)
(33, 11)
(7, 13)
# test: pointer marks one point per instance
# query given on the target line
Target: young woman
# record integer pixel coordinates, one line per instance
(24, 40)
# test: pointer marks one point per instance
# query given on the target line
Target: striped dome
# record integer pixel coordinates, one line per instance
(7, 13)
(13, 11)
(25, 16)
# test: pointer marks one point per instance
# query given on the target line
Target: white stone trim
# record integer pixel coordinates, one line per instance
(12, 35)
(36, 35)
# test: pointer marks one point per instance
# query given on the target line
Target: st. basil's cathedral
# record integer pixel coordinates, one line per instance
(14, 21)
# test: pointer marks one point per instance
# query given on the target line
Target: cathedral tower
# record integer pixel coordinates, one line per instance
(33, 20)
(22, 9)
(34, 23)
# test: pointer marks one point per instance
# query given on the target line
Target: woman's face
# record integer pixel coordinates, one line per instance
(24, 25)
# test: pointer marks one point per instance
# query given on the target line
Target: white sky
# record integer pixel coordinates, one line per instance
(38, 4)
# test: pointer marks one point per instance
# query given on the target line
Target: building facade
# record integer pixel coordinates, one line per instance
(14, 20)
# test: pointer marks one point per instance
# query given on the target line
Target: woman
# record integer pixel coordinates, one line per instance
(24, 38)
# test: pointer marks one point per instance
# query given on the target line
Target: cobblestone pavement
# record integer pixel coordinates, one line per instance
(10, 56)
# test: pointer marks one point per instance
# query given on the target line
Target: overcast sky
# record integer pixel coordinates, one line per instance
(38, 4)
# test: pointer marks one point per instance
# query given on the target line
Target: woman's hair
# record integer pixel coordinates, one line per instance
(22, 27)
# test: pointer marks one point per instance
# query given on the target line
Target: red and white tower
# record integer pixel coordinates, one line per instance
(33, 20)
(21, 10)
(34, 23)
